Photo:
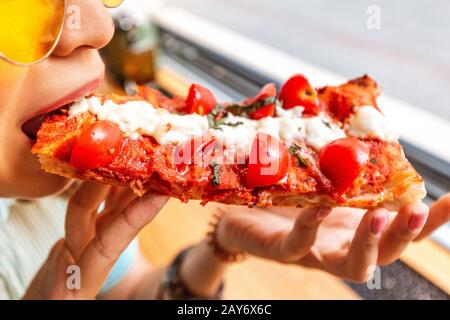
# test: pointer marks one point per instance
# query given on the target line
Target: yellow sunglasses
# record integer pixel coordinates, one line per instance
(30, 29)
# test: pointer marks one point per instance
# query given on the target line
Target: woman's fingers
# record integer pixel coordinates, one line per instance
(113, 238)
(115, 203)
(404, 228)
(81, 215)
(118, 199)
(439, 215)
(303, 235)
(363, 253)
(255, 231)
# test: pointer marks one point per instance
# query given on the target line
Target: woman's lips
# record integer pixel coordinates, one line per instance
(75, 95)
(32, 125)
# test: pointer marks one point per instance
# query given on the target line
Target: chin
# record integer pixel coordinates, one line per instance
(33, 183)
(44, 185)
(26, 179)
(51, 185)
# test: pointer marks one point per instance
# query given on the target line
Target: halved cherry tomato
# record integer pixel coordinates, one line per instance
(97, 146)
(298, 92)
(269, 90)
(193, 151)
(341, 162)
(200, 100)
(268, 162)
(267, 111)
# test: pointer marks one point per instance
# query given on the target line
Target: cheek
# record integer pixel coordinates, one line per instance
(12, 79)
(20, 173)
(11, 74)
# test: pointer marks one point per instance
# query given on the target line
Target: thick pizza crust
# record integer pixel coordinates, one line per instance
(405, 187)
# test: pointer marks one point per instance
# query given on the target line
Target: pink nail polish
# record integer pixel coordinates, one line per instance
(379, 222)
(417, 221)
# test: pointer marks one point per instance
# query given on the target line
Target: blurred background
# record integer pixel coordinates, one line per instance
(235, 46)
(408, 54)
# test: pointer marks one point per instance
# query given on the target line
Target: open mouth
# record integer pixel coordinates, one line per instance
(31, 127)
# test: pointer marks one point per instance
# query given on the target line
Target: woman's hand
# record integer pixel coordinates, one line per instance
(439, 215)
(345, 242)
(93, 242)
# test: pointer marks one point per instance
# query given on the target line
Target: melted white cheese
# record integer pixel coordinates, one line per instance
(137, 118)
(368, 122)
(320, 131)
(288, 126)
(238, 138)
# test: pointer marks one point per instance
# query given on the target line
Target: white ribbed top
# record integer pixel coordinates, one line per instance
(28, 230)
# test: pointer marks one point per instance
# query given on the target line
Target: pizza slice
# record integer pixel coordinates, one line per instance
(300, 147)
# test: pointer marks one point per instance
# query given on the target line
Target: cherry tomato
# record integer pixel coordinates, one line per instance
(200, 100)
(268, 163)
(341, 162)
(298, 92)
(267, 111)
(269, 90)
(97, 146)
(193, 151)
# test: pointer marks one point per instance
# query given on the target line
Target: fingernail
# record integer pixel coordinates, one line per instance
(379, 222)
(417, 221)
(322, 213)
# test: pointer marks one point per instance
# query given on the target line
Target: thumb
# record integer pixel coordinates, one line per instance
(113, 238)
(51, 280)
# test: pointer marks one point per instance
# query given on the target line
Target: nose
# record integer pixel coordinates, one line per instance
(87, 24)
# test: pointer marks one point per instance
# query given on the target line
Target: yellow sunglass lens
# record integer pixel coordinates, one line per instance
(112, 3)
(29, 28)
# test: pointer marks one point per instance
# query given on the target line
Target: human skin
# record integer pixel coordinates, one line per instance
(28, 91)
(74, 69)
